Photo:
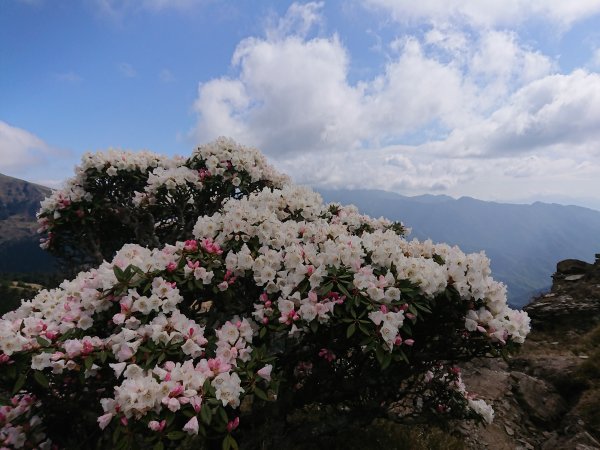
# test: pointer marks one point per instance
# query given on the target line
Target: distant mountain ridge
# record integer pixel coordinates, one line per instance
(524, 242)
(19, 242)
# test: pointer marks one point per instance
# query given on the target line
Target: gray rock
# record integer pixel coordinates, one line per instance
(544, 406)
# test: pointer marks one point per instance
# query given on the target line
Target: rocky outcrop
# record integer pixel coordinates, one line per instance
(548, 395)
(574, 301)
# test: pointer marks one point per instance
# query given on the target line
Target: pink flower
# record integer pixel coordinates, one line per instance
(265, 372)
(154, 425)
(124, 352)
(192, 426)
(409, 342)
(171, 266)
(196, 402)
(119, 318)
(104, 420)
(191, 245)
(326, 354)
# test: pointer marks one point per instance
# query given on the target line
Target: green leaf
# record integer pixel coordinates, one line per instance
(364, 329)
(223, 415)
(314, 326)
(88, 362)
(326, 289)
(343, 290)
(438, 259)
(387, 359)
(116, 435)
(351, 329)
(226, 444)
(403, 356)
(159, 446)
(41, 378)
(261, 394)
(19, 383)
(119, 274)
(206, 414)
(262, 332)
(422, 307)
(175, 435)
(43, 342)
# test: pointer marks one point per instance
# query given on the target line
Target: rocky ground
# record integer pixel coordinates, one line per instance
(547, 396)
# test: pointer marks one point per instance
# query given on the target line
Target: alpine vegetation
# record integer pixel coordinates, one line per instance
(217, 297)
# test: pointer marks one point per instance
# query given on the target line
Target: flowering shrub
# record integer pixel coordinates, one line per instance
(276, 301)
(120, 197)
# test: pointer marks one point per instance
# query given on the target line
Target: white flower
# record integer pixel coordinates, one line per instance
(265, 372)
(191, 427)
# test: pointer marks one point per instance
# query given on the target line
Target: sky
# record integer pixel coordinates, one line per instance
(492, 99)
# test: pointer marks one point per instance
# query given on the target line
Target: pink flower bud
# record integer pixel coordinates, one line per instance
(232, 425)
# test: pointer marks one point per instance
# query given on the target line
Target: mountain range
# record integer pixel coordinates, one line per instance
(19, 242)
(524, 242)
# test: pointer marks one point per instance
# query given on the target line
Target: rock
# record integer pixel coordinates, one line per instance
(564, 311)
(490, 384)
(574, 277)
(572, 267)
(581, 441)
(539, 399)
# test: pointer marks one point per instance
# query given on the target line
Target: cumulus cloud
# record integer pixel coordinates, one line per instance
(292, 92)
(452, 109)
(19, 148)
(556, 111)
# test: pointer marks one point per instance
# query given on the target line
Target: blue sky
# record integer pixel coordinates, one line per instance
(498, 100)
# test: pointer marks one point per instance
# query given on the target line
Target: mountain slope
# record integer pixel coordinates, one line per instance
(19, 243)
(522, 241)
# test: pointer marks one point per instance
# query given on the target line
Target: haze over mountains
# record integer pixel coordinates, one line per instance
(524, 242)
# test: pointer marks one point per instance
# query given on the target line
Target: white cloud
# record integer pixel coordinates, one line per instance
(19, 148)
(292, 93)
(298, 20)
(126, 70)
(484, 114)
(554, 112)
(486, 13)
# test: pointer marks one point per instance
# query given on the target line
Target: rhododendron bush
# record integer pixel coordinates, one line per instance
(243, 299)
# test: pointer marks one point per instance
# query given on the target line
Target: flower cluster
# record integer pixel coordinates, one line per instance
(150, 199)
(272, 290)
(20, 427)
